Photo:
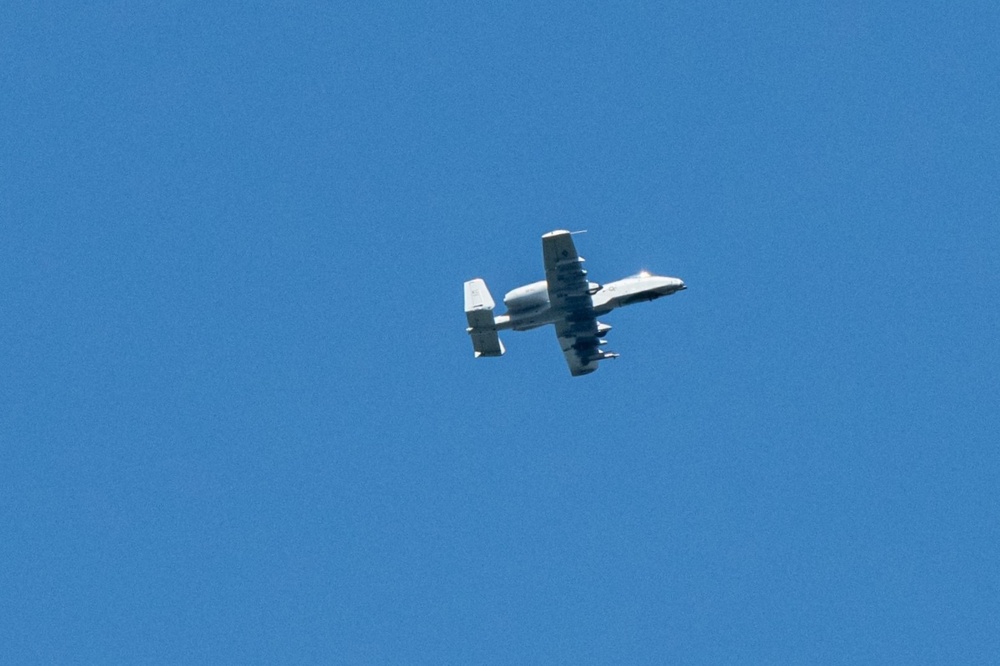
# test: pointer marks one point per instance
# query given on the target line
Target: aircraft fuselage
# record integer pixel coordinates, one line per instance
(528, 307)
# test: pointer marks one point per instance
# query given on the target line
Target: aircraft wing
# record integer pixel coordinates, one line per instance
(568, 286)
(580, 344)
(569, 292)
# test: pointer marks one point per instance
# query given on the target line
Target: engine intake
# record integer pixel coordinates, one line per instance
(529, 297)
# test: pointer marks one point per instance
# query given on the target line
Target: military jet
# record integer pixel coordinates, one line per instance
(564, 298)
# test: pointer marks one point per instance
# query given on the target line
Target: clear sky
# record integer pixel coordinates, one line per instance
(240, 420)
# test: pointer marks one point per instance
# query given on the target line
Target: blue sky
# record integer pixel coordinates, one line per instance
(240, 421)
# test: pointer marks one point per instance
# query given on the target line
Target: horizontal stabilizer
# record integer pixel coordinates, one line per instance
(486, 343)
(477, 296)
(482, 326)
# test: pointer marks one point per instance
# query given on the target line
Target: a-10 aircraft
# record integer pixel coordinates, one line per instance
(564, 298)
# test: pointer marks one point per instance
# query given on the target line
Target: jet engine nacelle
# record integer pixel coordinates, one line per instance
(528, 297)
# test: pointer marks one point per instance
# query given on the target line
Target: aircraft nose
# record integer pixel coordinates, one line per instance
(672, 286)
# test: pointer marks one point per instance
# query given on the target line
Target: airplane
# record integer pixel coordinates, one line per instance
(566, 299)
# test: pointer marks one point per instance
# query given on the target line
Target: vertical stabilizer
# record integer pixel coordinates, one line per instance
(482, 326)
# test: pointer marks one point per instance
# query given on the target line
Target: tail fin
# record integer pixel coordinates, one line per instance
(482, 327)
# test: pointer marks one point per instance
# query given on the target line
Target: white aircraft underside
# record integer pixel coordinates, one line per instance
(564, 298)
